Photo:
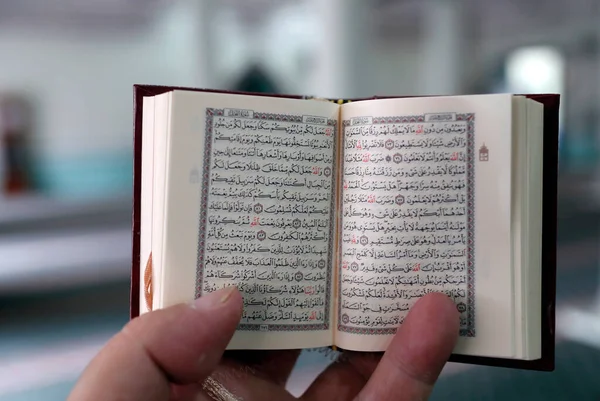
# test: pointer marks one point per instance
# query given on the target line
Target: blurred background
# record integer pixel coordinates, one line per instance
(66, 73)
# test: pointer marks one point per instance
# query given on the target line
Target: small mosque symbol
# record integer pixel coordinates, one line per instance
(484, 153)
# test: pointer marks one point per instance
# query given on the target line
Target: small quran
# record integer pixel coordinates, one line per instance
(333, 217)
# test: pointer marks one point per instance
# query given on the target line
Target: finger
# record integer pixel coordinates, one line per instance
(252, 375)
(275, 366)
(347, 376)
(344, 377)
(181, 344)
(417, 354)
(244, 384)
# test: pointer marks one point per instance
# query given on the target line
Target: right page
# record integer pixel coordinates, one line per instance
(426, 207)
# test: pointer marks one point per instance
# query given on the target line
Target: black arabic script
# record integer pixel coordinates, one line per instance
(268, 223)
(406, 219)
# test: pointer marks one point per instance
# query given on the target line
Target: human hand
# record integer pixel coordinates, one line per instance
(177, 353)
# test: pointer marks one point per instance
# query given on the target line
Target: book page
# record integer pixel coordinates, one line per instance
(251, 192)
(426, 208)
(146, 197)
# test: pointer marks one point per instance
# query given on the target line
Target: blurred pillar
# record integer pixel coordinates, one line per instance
(596, 108)
(205, 12)
(187, 34)
(202, 17)
(340, 61)
(441, 47)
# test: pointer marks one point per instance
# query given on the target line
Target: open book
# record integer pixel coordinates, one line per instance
(333, 217)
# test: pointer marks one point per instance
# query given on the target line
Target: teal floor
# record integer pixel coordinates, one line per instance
(575, 378)
(37, 322)
(55, 392)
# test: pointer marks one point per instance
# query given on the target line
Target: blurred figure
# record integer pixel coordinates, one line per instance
(256, 80)
(16, 129)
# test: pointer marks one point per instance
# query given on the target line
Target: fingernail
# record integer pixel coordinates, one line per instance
(214, 299)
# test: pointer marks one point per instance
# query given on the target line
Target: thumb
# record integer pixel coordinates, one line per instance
(181, 344)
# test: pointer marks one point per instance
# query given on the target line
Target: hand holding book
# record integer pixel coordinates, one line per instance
(154, 359)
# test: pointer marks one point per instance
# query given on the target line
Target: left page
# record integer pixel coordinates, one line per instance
(250, 196)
